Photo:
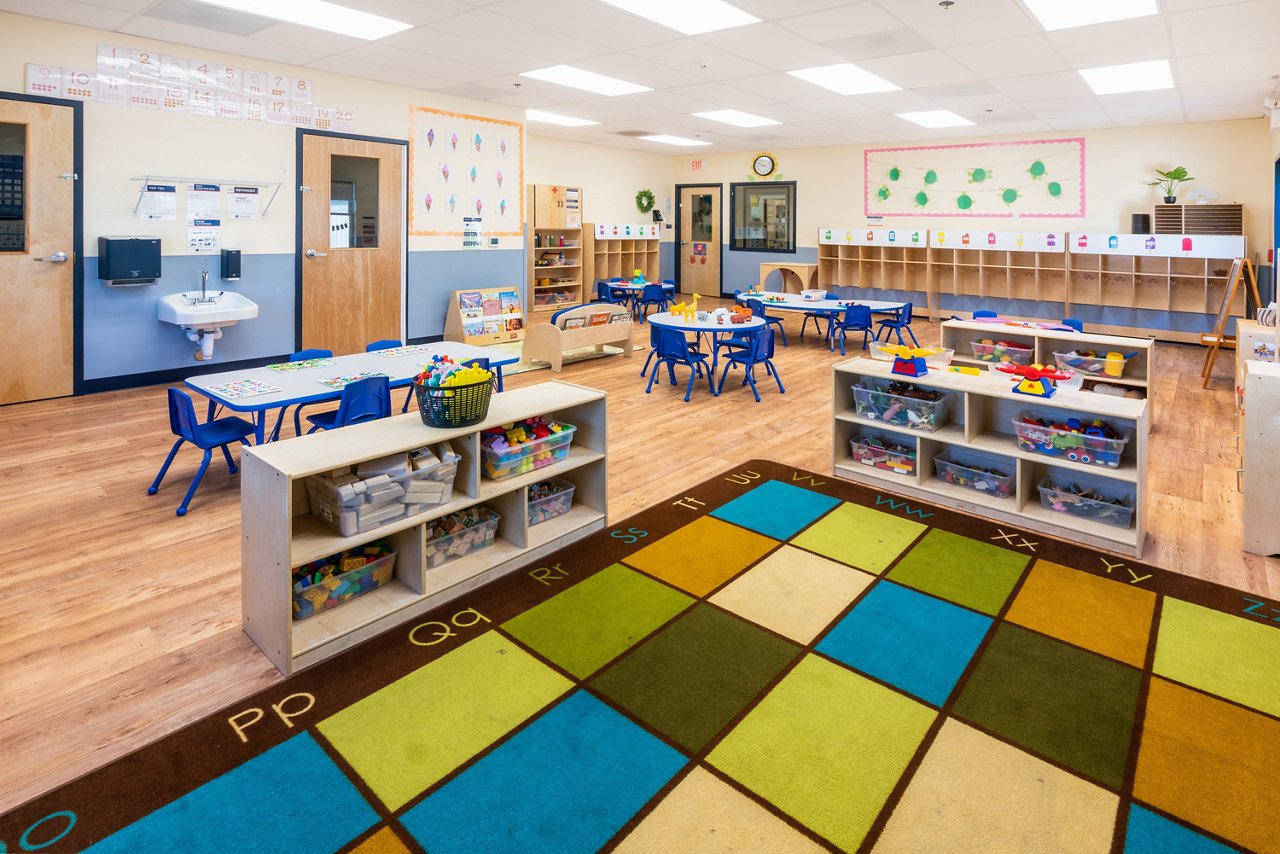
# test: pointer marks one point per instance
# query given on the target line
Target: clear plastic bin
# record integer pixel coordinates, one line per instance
(352, 505)
(973, 477)
(1017, 354)
(1069, 444)
(444, 545)
(525, 457)
(878, 456)
(338, 589)
(1057, 497)
(1092, 366)
(889, 352)
(873, 401)
(553, 505)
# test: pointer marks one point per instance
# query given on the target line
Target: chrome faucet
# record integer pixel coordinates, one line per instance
(204, 287)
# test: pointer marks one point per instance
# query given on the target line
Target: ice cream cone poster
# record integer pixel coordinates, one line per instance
(464, 166)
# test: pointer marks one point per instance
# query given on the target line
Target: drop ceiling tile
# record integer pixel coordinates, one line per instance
(1009, 57)
(923, 68)
(840, 108)
(1222, 29)
(134, 6)
(787, 113)
(771, 46)
(1219, 114)
(1037, 87)
(839, 126)
(381, 73)
(587, 20)
(419, 14)
(966, 22)
(626, 67)
(767, 9)
(781, 87)
(840, 22)
(896, 102)
(1227, 93)
(70, 12)
(1163, 117)
(462, 49)
(720, 96)
(695, 57)
(1239, 66)
(1075, 123)
(1064, 107)
(1187, 5)
(979, 89)
(1115, 43)
(488, 26)
(879, 43)
(1031, 125)
(525, 100)
(307, 38)
(971, 104)
(210, 40)
(668, 103)
(1141, 102)
(419, 63)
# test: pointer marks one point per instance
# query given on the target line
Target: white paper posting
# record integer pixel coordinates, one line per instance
(204, 201)
(471, 233)
(158, 202)
(242, 203)
(204, 236)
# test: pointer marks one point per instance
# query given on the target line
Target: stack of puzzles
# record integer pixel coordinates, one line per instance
(357, 499)
(512, 449)
(450, 537)
(329, 582)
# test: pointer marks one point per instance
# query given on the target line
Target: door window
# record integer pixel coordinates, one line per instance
(13, 191)
(353, 202)
(763, 216)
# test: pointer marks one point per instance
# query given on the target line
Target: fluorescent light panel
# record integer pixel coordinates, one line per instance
(737, 118)
(674, 140)
(1134, 77)
(935, 119)
(690, 17)
(320, 15)
(845, 78)
(577, 78)
(1065, 14)
(557, 119)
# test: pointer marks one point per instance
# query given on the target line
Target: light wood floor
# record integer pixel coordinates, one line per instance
(120, 621)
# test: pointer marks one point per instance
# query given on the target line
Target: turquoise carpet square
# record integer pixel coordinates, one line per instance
(776, 509)
(291, 798)
(908, 639)
(1148, 831)
(566, 783)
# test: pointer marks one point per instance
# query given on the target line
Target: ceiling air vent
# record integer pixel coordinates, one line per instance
(208, 17)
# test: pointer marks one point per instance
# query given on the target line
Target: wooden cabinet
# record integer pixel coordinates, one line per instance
(1198, 219)
(1260, 475)
(279, 533)
(617, 251)
(979, 433)
(554, 250)
(876, 260)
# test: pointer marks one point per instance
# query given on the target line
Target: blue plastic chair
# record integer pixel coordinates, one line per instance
(653, 347)
(384, 344)
(818, 318)
(984, 313)
(363, 400)
(300, 356)
(606, 294)
(897, 324)
(212, 434)
(761, 353)
(673, 349)
(1073, 323)
(653, 296)
(757, 309)
(856, 318)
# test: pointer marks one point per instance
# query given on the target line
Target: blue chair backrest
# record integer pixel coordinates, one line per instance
(364, 400)
(653, 292)
(1073, 323)
(315, 353)
(905, 317)
(857, 316)
(984, 313)
(477, 362)
(762, 346)
(602, 291)
(384, 344)
(616, 279)
(182, 415)
(672, 345)
(737, 296)
(757, 307)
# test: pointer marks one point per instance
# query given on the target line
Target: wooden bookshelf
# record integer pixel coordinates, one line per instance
(618, 250)
(554, 252)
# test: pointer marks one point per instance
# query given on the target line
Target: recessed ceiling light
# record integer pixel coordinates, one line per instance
(690, 17)
(1134, 77)
(737, 118)
(557, 119)
(567, 75)
(845, 78)
(319, 14)
(1060, 15)
(674, 140)
(936, 119)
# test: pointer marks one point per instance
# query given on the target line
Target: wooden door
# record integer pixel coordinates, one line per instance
(699, 249)
(37, 251)
(352, 242)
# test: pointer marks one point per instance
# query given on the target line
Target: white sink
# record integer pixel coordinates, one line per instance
(185, 309)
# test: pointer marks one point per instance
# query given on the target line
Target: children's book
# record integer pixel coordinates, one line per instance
(600, 318)
(619, 317)
(575, 322)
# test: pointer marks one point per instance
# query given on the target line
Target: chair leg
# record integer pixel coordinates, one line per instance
(693, 375)
(191, 490)
(164, 469)
(913, 337)
(751, 378)
(231, 464)
(653, 375)
(275, 431)
(647, 360)
(783, 332)
(408, 398)
(776, 378)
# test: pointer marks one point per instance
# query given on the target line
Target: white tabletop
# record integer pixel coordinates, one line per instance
(305, 386)
(632, 288)
(795, 302)
(670, 321)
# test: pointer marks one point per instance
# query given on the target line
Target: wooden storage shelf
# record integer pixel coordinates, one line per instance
(557, 212)
(982, 412)
(1198, 219)
(279, 533)
(620, 257)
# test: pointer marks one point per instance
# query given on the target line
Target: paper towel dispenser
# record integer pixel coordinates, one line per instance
(128, 260)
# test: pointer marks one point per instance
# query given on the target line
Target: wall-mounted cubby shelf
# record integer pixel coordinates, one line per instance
(617, 251)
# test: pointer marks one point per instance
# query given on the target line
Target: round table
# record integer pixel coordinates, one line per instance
(667, 320)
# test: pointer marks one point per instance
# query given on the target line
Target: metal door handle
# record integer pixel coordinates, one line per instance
(311, 253)
(54, 258)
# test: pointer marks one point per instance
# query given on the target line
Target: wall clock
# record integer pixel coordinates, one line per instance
(763, 165)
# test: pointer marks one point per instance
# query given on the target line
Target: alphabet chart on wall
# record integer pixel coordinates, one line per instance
(464, 166)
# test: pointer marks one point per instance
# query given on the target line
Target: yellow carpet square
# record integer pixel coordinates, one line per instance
(702, 555)
(1090, 611)
(974, 793)
(384, 841)
(1211, 763)
(793, 592)
(704, 815)
(860, 536)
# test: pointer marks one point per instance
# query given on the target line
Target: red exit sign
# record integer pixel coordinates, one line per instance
(695, 165)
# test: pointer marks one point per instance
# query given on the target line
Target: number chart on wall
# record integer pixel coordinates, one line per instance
(463, 166)
(1040, 178)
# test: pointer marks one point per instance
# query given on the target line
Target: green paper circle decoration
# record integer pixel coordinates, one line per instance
(963, 202)
(1009, 196)
(977, 176)
(1037, 169)
(930, 177)
(895, 173)
(882, 193)
(922, 198)
(1055, 189)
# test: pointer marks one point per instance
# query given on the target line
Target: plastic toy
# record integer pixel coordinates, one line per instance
(1076, 500)
(989, 350)
(989, 480)
(876, 453)
(443, 372)
(330, 581)
(964, 369)
(1097, 443)
(1033, 379)
(901, 403)
(511, 449)
(910, 366)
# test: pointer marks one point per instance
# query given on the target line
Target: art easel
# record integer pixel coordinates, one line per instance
(1240, 268)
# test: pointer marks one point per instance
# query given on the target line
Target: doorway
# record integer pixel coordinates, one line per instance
(351, 241)
(698, 241)
(41, 272)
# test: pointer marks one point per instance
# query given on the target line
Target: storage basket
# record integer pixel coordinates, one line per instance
(988, 482)
(313, 595)
(556, 501)
(1058, 498)
(874, 401)
(875, 452)
(1072, 444)
(352, 505)
(472, 529)
(524, 457)
(454, 406)
(1092, 366)
(1018, 354)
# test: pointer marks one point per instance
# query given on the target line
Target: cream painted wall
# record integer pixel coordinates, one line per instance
(121, 142)
(1232, 158)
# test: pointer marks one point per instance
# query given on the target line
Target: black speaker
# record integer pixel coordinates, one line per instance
(129, 260)
(231, 264)
(1141, 223)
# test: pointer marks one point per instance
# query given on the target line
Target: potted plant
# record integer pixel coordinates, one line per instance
(1169, 181)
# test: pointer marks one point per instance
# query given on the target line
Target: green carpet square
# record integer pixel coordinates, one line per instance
(597, 619)
(968, 572)
(860, 536)
(408, 735)
(696, 675)
(826, 746)
(1069, 705)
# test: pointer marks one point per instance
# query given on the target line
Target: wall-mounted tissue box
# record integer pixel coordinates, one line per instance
(128, 260)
